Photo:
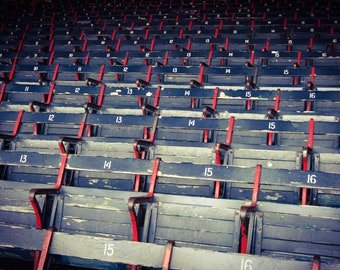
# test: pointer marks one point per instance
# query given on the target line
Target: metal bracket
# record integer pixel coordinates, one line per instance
(42, 104)
(142, 199)
(225, 146)
(307, 158)
(2, 93)
(246, 226)
(154, 128)
(198, 83)
(63, 140)
(316, 263)
(141, 149)
(90, 104)
(209, 112)
(44, 252)
(16, 127)
(195, 84)
(144, 83)
(250, 207)
(167, 255)
(152, 108)
(148, 108)
(35, 204)
(91, 82)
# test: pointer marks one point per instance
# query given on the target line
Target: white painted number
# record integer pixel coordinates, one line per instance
(208, 171)
(271, 125)
(311, 179)
(119, 119)
(246, 264)
(51, 117)
(23, 159)
(107, 164)
(312, 95)
(109, 249)
(191, 123)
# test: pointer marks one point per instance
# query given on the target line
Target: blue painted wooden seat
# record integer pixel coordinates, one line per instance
(16, 211)
(36, 73)
(54, 123)
(128, 74)
(220, 220)
(298, 232)
(326, 161)
(30, 167)
(242, 76)
(10, 123)
(104, 213)
(105, 249)
(121, 126)
(176, 74)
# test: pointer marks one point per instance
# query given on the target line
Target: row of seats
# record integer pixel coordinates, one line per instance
(82, 170)
(87, 11)
(231, 40)
(210, 102)
(217, 33)
(151, 127)
(90, 179)
(110, 224)
(177, 57)
(191, 76)
(153, 136)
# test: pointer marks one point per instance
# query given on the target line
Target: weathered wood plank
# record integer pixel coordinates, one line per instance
(150, 255)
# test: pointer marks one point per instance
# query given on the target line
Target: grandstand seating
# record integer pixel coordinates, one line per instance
(169, 134)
